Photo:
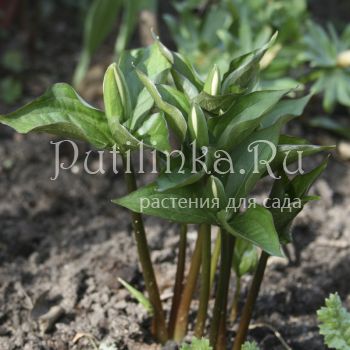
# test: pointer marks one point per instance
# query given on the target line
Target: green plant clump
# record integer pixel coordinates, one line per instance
(197, 344)
(213, 139)
(334, 322)
(231, 28)
(250, 346)
(329, 57)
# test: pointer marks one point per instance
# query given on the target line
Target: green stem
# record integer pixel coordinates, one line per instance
(205, 230)
(178, 287)
(146, 263)
(250, 302)
(221, 342)
(218, 323)
(215, 258)
(234, 308)
(186, 298)
(81, 69)
(127, 26)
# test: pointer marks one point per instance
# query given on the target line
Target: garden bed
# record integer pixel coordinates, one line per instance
(64, 244)
(65, 239)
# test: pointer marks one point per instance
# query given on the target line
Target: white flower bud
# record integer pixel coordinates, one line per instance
(343, 59)
(198, 127)
(212, 84)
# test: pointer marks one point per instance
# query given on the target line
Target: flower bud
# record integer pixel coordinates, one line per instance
(343, 59)
(198, 127)
(212, 84)
(216, 190)
(270, 55)
(116, 95)
(163, 49)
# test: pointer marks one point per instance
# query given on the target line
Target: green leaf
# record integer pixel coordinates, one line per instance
(173, 115)
(295, 191)
(290, 107)
(244, 117)
(184, 85)
(125, 140)
(320, 49)
(183, 67)
(250, 346)
(280, 83)
(129, 22)
(197, 344)
(177, 173)
(334, 322)
(283, 218)
(256, 226)
(171, 205)
(289, 153)
(197, 125)
(61, 111)
(174, 97)
(330, 93)
(144, 104)
(245, 257)
(101, 17)
(116, 95)
(163, 49)
(334, 84)
(215, 19)
(127, 25)
(301, 183)
(292, 140)
(172, 180)
(154, 131)
(343, 89)
(243, 70)
(249, 166)
(215, 104)
(138, 296)
(332, 125)
(151, 61)
(185, 77)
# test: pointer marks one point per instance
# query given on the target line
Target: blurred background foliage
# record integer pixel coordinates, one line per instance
(312, 53)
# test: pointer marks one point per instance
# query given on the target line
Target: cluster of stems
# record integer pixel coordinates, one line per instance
(203, 263)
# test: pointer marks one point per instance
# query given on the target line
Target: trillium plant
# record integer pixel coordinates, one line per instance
(213, 140)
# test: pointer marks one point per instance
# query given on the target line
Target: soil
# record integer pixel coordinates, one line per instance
(63, 243)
